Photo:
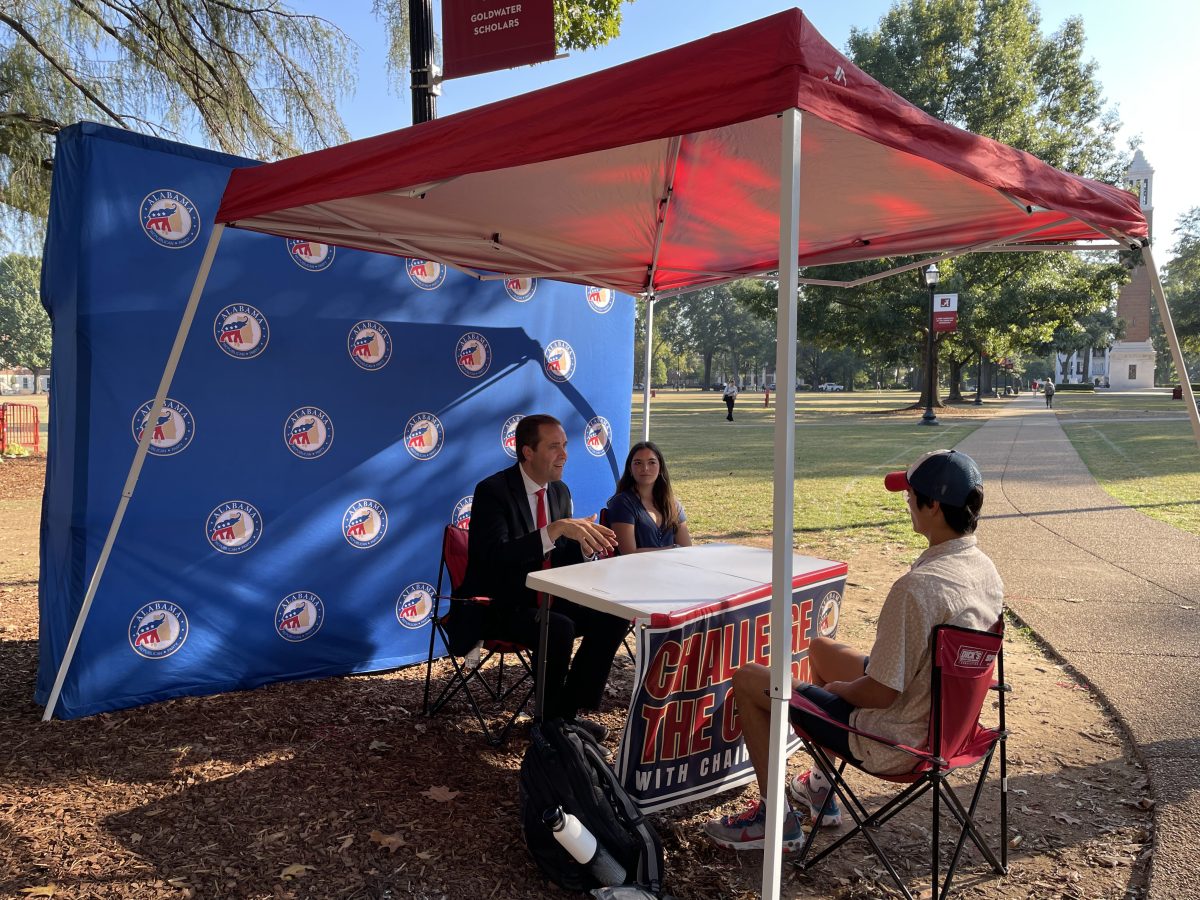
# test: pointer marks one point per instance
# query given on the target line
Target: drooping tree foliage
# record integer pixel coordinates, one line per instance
(251, 78)
(248, 77)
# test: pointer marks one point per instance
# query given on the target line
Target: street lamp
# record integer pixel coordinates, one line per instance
(929, 417)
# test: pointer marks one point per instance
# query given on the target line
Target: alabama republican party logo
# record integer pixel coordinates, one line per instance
(425, 273)
(234, 527)
(299, 616)
(473, 354)
(241, 331)
(414, 607)
(369, 345)
(560, 361)
(508, 435)
(461, 517)
(174, 427)
(600, 299)
(158, 629)
(597, 436)
(423, 436)
(170, 219)
(308, 432)
(520, 289)
(310, 255)
(364, 523)
(827, 619)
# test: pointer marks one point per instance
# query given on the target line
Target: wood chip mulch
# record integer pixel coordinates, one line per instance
(341, 788)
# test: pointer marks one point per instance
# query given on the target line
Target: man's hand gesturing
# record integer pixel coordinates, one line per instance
(591, 537)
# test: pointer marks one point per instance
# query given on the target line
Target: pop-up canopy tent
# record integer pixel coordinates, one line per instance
(750, 152)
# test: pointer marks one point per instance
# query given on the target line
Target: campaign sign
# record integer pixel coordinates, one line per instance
(682, 739)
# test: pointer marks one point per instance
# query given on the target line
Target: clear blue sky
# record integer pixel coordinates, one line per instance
(1149, 65)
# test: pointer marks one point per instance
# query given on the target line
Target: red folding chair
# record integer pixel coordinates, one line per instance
(963, 662)
(464, 676)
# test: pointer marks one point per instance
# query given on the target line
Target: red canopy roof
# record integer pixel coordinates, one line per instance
(568, 182)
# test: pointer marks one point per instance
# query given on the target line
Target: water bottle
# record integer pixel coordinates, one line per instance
(472, 660)
(583, 846)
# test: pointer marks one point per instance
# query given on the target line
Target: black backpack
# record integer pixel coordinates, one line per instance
(564, 766)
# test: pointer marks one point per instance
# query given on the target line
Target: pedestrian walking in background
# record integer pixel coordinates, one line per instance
(729, 396)
(1049, 395)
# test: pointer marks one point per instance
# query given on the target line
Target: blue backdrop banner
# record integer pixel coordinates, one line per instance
(331, 412)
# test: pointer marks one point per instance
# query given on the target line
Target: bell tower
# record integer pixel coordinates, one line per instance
(1131, 361)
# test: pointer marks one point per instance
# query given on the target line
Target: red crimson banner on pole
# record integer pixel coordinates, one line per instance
(945, 312)
(486, 35)
(945, 321)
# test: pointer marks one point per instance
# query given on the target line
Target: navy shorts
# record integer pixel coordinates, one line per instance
(822, 732)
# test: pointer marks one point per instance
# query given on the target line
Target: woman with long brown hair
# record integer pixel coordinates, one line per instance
(644, 513)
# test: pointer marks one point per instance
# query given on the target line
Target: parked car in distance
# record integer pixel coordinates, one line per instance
(639, 386)
(771, 386)
(829, 386)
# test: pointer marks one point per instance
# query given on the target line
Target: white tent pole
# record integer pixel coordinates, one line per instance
(646, 368)
(784, 497)
(664, 206)
(1189, 398)
(135, 468)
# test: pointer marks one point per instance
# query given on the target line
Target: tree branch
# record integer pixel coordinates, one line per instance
(82, 88)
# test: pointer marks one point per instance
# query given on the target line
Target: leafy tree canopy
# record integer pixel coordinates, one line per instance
(985, 66)
(24, 325)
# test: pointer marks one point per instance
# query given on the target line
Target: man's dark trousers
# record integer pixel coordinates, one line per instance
(504, 547)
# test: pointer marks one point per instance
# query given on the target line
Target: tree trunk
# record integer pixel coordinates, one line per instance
(1087, 365)
(708, 369)
(989, 378)
(929, 388)
(955, 393)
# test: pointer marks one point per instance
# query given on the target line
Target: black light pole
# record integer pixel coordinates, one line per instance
(979, 382)
(420, 50)
(929, 417)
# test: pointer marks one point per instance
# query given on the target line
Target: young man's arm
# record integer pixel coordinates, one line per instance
(864, 692)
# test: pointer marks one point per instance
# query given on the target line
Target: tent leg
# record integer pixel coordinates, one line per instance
(784, 498)
(135, 468)
(646, 367)
(1189, 398)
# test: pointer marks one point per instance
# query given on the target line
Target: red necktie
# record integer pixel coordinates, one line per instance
(541, 503)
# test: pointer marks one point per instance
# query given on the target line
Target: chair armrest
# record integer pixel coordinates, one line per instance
(477, 601)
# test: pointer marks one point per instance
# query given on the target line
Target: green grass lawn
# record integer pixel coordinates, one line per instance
(1153, 466)
(1070, 404)
(846, 441)
(844, 445)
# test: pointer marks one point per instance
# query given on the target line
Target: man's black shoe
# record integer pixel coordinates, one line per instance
(595, 729)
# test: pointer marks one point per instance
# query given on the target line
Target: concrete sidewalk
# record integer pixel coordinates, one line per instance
(1117, 595)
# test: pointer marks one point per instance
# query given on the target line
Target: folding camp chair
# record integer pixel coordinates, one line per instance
(467, 678)
(963, 662)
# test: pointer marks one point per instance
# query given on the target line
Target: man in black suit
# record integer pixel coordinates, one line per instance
(520, 519)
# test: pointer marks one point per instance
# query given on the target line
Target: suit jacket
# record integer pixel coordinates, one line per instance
(504, 547)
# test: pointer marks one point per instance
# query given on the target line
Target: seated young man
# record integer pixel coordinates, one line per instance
(888, 692)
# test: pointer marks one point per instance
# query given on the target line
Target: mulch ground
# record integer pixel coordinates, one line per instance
(341, 788)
